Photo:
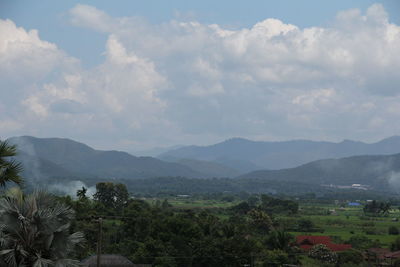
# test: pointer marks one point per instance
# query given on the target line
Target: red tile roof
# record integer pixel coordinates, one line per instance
(380, 253)
(306, 242)
(393, 255)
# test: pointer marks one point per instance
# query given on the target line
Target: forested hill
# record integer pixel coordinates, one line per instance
(71, 158)
(247, 155)
(55, 160)
(376, 171)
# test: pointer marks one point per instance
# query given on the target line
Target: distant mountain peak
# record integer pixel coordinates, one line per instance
(236, 140)
(275, 155)
(391, 139)
(349, 141)
(83, 161)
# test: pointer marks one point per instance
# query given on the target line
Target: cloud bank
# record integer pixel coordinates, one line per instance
(187, 82)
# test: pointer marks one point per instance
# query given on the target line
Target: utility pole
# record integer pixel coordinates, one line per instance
(99, 242)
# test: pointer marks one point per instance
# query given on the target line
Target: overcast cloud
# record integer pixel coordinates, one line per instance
(184, 82)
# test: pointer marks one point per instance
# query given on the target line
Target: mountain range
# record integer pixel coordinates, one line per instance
(49, 160)
(377, 172)
(246, 155)
(71, 158)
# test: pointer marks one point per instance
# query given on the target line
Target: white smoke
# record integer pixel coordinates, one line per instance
(394, 180)
(35, 176)
(70, 188)
(30, 164)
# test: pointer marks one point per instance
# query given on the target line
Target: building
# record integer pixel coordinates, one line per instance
(353, 204)
(306, 242)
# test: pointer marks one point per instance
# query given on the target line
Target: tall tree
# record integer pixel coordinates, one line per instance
(121, 195)
(9, 168)
(81, 194)
(34, 231)
(112, 195)
(105, 194)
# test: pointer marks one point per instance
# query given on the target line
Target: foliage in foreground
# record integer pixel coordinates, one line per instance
(34, 231)
(163, 236)
(9, 169)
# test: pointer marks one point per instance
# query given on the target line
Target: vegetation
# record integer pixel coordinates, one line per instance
(34, 231)
(9, 168)
(376, 207)
(229, 230)
(322, 253)
(163, 228)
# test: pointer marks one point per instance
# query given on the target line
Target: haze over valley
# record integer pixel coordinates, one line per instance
(52, 161)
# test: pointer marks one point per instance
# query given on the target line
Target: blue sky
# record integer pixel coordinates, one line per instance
(134, 75)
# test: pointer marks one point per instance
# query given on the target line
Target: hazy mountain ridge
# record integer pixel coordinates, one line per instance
(284, 154)
(377, 171)
(212, 169)
(54, 159)
(77, 158)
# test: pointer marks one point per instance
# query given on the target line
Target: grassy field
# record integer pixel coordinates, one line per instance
(188, 203)
(341, 224)
(346, 222)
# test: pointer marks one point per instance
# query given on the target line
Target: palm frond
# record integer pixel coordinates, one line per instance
(9, 172)
(9, 168)
(7, 150)
(42, 262)
(35, 225)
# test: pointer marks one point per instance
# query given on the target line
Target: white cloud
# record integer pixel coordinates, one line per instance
(24, 57)
(92, 18)
(185, 82)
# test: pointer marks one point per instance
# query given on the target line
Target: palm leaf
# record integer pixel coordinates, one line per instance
(33, 226)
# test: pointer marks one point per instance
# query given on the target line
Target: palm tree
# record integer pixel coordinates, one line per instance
(9, 169)
(34, 231)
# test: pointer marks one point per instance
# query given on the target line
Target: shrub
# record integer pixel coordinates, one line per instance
(275, 257)
(350, 256)
(368, 224)
(395, 245)
(360, 242)
(372, 231)
(393, 230)
(323, 253)
(396, 263)
(305, 225)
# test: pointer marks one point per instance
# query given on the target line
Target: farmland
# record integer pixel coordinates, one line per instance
(339, 221)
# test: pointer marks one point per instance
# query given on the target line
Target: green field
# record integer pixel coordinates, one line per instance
(341, 224)
(190, 204)
(183, 203)
(347, 222)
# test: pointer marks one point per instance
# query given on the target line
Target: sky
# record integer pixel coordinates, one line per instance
(133, 75)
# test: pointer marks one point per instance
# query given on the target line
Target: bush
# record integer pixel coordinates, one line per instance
(305, 225)
(361, 242)
(275, 257)
(372, 231)
(350, 256)
(395, 245)
(322, 253)
(368, 224)
(396, 263)
(393, 230)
